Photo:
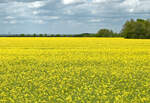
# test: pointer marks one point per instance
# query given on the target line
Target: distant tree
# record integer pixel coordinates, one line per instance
(28, 35)
(22, 35)
(52, 35)
(58, 35)
(34, 35)
(41, 35)
(45, 35)
(64, 35)
(105, 33)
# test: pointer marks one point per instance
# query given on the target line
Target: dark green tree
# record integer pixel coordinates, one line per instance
(139, 28)
(41, 35)
(22, 35)
(34, 35)
(105, 33)
(58, 35)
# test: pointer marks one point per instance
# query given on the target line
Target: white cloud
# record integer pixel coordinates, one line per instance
(50, 17)
(23, 9)
(95, 20)
(68, 12)
(36, 4)
(99, 1)
(9, 17)
(131, 5)
(38, 21)
(66, 2)
(35, 12)
(13, 22)
(131, 2)
(143, 6)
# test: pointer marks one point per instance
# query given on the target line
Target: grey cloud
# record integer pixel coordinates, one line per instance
(51, 15)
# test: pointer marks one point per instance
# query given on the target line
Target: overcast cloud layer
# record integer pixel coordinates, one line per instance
(68, 16)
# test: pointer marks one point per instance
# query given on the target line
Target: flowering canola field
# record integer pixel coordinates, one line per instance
(74, 70)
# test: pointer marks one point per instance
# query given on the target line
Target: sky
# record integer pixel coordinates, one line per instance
(68, 16)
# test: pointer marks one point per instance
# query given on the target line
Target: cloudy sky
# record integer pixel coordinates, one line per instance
(68, 16)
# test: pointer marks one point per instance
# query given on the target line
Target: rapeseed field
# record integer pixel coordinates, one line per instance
(74, 70)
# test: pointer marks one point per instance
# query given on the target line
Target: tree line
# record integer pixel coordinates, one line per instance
(103, 33)
(139, 28)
